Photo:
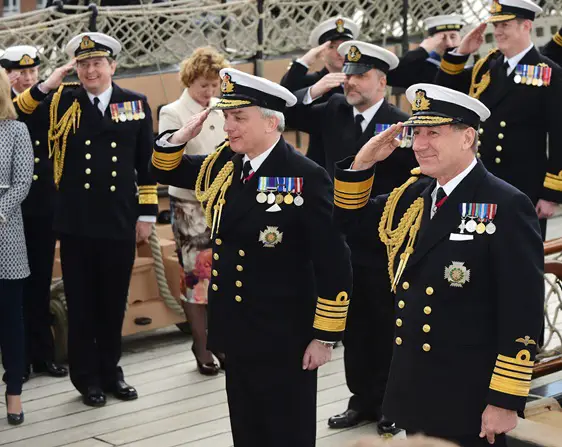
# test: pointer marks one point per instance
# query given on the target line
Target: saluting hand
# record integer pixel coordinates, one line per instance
(190, 129)
(433, 43)
(378, 148)
(327, 83)
(314, 53)
(316, 355)
(495, 421)
(473, 40)
(13, 77)
(55, 80)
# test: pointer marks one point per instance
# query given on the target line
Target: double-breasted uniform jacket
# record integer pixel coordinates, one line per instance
(334, 121)
(105, 184)
(270, 297)
(41, 197)
(16, 168)
(415, 66)
(297, 78)
(466, 321)
(513, 141)
(553, 49)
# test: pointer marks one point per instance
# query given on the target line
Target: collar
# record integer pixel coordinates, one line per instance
(193, 105)
(104, 97)
(454, 182)
(369, 113)
(256, 162)
(513, 61)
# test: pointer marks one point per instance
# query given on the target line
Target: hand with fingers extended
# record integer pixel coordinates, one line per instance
(314, 54)
(13, 77)
(327, 83)
(496, 421)
(433, 43)
(378, 148)
(473, 40)
(190, 129)
(55, 79)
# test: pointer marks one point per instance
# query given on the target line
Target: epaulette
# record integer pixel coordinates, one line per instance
(416, 171)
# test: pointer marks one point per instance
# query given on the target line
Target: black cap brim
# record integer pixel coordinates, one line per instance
(351, 68)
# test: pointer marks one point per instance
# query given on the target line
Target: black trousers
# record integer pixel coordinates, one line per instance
(96, 275)
(40, 240)
(471, 440)
(368, 340)
(12, 343)
(264, 392)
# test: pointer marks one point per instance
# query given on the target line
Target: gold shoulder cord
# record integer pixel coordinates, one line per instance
(477, 88)
(394, 239)
(212, 198)
(70, 120)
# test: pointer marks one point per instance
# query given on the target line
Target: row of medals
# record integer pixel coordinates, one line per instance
(129, 116)
(480, 228)
(279, 198)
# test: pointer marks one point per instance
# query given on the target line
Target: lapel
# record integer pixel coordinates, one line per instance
(448, 217)
(90, 115)
(242, 198)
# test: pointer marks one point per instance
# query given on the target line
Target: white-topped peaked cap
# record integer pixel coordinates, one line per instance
(239, 89)
(434, 105)
(86, 45)
(361, 57)
(504, 10)
(20, 56)
(437, 24)
(335, 28)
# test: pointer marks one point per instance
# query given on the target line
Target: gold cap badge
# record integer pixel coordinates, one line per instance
(26, 60)
(227, 86)
(353, 55)
(496, 7)
(87, 43)
(421, 103)
(339, 26)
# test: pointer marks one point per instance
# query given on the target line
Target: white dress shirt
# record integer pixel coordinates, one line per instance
(513, 61)
(104, 98)
(368, 114)
(450, 185)
(256, 162)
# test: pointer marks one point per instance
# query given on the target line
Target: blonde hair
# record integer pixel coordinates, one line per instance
(205, 62)
(7, 110)
(411, 441)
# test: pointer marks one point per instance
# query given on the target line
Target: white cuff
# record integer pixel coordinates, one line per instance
(43, 89)
(150, 219)
(300, 61)
(307, 98)
(163, 141)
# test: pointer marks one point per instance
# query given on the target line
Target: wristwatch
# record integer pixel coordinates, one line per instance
(328, 344)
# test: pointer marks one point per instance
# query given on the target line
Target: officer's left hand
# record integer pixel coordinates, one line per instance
(545, 209)
(316, 355)
(495, 421)
(144, 229)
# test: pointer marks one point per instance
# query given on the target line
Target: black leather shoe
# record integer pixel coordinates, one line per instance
(123, 391)
(386, 427)
(348, 418)
(50, 368)
(94, 397)
(13, 418)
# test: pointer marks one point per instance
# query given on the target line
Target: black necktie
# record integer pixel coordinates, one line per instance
(247, 171)
(440, 197)
(358, 129)
(97, 106)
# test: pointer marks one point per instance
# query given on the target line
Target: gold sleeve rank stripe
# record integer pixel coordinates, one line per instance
(511, 386)
(331, 315)
(165, 161)
(352, 195)
(148, 195)
(452, 69)
(557, 39)
(354, 187)
(26, 103)
(553, 181)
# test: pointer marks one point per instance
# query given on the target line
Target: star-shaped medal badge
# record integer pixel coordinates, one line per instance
(457, 274)
(270, 237)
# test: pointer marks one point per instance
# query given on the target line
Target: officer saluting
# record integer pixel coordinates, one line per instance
(101, 139)
(456, 237)
(22, 64)
(523, 89)
(281, 275)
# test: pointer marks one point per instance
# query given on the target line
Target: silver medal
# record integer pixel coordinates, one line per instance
(122, 117)
(491, 228)
(298, 201)
(271, 198)
(517, 79)
(471, 226)
(261, 197)
(540, 83)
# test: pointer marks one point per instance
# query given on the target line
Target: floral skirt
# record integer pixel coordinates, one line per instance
(193, 246)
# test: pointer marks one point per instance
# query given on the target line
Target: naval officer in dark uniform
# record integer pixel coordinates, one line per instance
(422, 64)
(523, 89)
(553, 49)
(346, 122)
(281, 274)
(101, 138)
(457, 239)
(22, 64)
(325, 40)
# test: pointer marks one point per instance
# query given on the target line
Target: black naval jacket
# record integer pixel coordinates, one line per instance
(513, 141)
(41, 197)
(105, 184)
(263, 299)
(553, 49)
(457, 348)
(297, 78)
(415, 66)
